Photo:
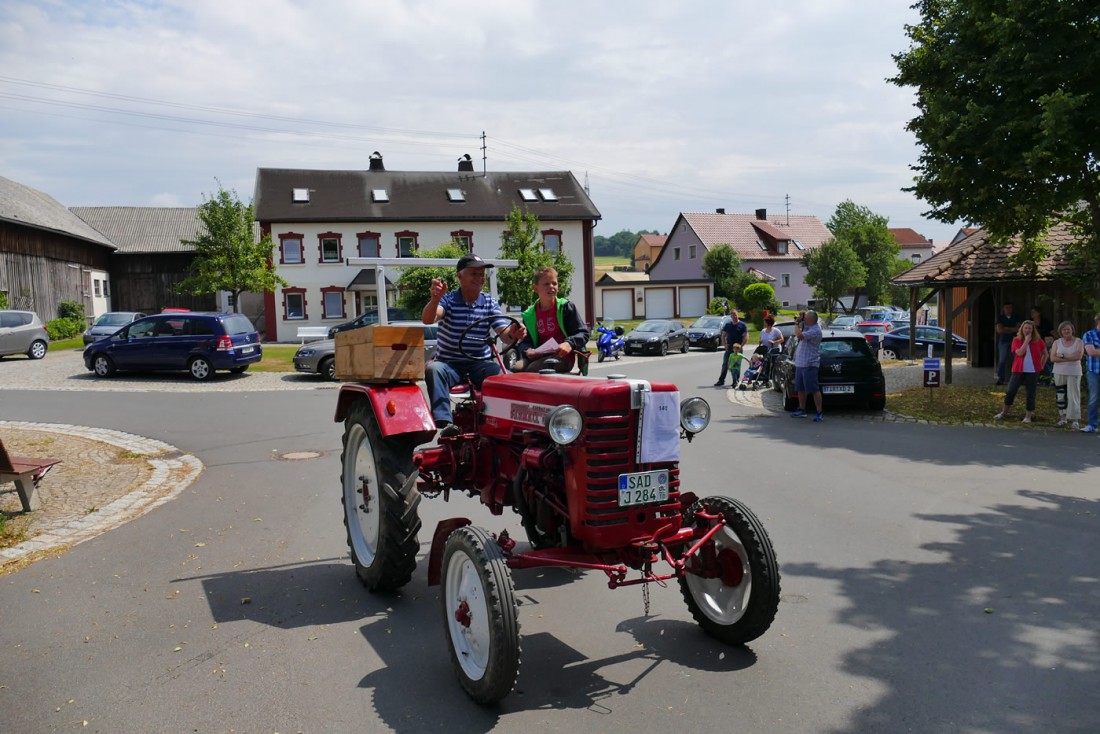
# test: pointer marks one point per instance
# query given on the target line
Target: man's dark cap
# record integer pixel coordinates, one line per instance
(471, 261)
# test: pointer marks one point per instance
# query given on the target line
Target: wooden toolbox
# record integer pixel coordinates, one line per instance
(380, 353)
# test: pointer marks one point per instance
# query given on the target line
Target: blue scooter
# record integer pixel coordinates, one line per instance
(610, 342)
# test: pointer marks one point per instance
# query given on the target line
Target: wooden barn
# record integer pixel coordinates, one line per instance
(49, 255)
(150, 261)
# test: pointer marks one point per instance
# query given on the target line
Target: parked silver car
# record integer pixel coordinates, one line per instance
(319, 358)
(22, 332)
(108, 323)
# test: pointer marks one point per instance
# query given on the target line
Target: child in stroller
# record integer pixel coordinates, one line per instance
(755, 374)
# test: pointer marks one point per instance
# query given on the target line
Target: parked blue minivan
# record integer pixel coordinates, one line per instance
(200, 343)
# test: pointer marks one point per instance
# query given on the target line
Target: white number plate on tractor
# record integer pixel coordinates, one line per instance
(642, 488)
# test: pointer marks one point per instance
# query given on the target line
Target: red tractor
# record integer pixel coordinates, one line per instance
(590, 466)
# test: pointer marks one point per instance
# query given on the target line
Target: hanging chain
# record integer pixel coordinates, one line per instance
(645, 598)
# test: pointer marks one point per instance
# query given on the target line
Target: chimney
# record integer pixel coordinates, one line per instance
(762, 214)
(376, 162)
(720, 210)
(465, 163)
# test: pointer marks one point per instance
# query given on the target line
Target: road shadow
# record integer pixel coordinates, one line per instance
(999, 634)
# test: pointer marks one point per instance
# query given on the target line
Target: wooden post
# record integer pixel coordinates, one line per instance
(947, 339)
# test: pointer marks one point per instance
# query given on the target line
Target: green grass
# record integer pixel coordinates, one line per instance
(608, 262)
(975, 404)
(77, 342)
(277, 358)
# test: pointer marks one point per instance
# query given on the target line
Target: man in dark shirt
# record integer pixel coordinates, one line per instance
(1007, 325)
(734, 331)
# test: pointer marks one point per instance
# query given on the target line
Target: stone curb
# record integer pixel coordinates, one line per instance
(172, 470)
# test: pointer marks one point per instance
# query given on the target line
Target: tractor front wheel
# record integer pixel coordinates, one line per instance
(731, 585)
(380, 501)
(480, 616)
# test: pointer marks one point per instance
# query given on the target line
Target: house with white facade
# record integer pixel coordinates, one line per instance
(772, 247)
(317, 219)
(915, 247)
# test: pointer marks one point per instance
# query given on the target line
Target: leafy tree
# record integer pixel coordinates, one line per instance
(868, 235)
(723, 266)
(227, 255)
(1007, 119)
(620, 244)
(522, 241)
(414, 285)
(3, 300)
(757, 298)
(833, 269)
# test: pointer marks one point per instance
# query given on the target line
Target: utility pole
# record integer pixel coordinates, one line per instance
(787, 198)
(484, 155)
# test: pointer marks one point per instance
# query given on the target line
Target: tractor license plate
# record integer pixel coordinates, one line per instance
(642, 488)
(838, 389)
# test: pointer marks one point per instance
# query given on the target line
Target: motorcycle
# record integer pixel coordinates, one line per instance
(610, 342)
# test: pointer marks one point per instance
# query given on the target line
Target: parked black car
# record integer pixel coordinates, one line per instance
(706, 332)
(895, 344)
(197, 342)
(368, 317)
(849, 372)
(657, 337)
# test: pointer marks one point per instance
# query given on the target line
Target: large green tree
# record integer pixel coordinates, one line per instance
(868, 235)
(227, 255)
(414, 287)
(620, 244)
(522, 241)
(833, 270)
(724, 267)
(1008, 107)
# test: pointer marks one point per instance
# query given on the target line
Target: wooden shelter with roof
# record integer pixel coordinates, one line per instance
(974, 277)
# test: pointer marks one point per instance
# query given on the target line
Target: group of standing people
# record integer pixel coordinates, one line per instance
(1031, 348)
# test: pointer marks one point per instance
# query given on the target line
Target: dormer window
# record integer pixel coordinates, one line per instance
(301, 196)
(781, 247)
(379, 196)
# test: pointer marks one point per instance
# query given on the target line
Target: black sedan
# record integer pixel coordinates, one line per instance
(849, 372)
(706, 332)
(657, 337)
(895, 343)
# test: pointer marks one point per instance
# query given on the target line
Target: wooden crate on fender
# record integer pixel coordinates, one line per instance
(380, 353)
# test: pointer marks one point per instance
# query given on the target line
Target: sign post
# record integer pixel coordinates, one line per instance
(931, 375)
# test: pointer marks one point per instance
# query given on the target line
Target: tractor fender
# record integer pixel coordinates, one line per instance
(435, 558)
(400, 409)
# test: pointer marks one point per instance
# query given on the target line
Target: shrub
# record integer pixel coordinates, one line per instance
(757, 298)
(60, 329)
(73, 310)
(3, 299)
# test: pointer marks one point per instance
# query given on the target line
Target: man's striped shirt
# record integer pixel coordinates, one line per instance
(457, 315)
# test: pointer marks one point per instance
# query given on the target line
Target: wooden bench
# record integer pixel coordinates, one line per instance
(312, 332)
(26, 473)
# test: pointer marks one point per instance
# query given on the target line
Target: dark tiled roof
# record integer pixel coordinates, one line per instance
(336, 196)
(144, 229)
(976, 259)
(33, 208)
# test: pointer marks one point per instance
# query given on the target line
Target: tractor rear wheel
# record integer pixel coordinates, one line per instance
(380, 501)
(480, 616)
(732, 585)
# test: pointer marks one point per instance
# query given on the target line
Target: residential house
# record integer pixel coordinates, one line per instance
(972, 277)
(646, 250)
(915, 247)
(771, 247)
(317, 219)
(150, 260)
(49, 255)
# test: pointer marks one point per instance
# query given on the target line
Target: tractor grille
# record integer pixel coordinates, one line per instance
(610, 438)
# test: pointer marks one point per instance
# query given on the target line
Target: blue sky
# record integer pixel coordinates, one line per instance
(664, 107)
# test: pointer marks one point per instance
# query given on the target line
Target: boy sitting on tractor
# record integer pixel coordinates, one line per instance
(549, 318)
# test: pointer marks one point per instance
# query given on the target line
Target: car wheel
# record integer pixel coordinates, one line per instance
(664, 348)
(886, 354)
(684, 348)
(37, 350)
(714, 346)
(789, 402)
(877, 404)
(103, 366)
(328, 369)
(200, 368)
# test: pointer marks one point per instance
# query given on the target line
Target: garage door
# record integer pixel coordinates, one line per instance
(658, 303)
(618, 305)
(693, 301)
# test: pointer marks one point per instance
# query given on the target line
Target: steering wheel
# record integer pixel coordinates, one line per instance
(494, 353)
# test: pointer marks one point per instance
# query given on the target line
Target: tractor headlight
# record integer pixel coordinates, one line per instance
(564, 424)
(694, 415)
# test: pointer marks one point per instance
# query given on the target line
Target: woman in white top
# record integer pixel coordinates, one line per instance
(771, 337)
(1066, 353)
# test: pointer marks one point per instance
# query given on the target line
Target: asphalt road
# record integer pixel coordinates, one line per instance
(935, 579)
